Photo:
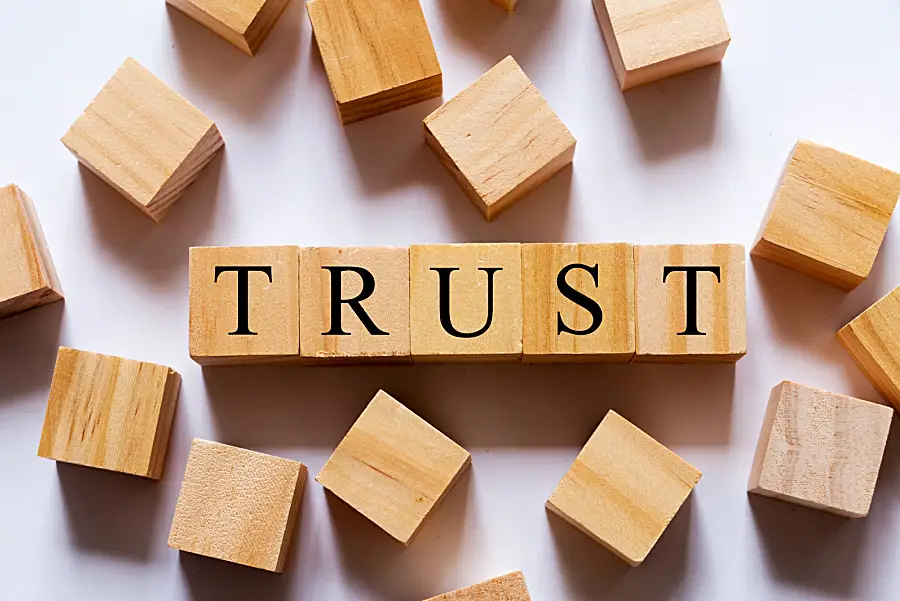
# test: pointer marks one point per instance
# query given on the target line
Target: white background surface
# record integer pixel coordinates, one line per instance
(693, 159)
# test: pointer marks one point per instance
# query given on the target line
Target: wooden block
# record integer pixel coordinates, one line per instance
(499, 138)
(244, 304)
(509, 5)
(578, 302)
(237, 505)
(354, 304)
(820, 449)
(649, 40)
(393, 467)
(110, 413)
(695, 315)
(829, 215)
(143, 139)
(27, 276)
(505, 588)
(465, 302)
(873, 340)
(378, 54)
(244, 23)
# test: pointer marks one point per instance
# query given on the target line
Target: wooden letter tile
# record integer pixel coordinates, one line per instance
(244, 23)
(505, 588)
(623, 489)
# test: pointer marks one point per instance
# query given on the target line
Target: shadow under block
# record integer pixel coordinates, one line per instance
(143, 139)
(499, 138)
(27, 276)
(244, 304)
(244, 23)
(237, 505)
(623, 489)
(465, 302)
(511, 587)
(393, 467)
(829, 215)
(690, 316)
(378, 54)
(110, 413)
(821, 450)
(649, 40)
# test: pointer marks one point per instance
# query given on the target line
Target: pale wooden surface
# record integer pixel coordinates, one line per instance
(623, 489)
(237, 505)
(820, 449)
(244, 23)
(499, 138)
(829, 215)
(109, 413)
(393, 467)
(510, 587)
(509, 5)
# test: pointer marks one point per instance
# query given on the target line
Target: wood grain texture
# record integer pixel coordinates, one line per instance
(143, 139)
(109, 413)
(244, 23)
(829, 215)
(510, 587)
(237, 505)
(499, 138)
(378, 54)
(509, 5)
(820, 449)
(393, 467)
(623, 489)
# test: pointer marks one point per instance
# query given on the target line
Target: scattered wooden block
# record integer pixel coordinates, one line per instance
(509, 5)
(244, 304)
(143, 139)
(499, 138)
(237, 505)
(466, 302)
(691, 303)
(378, 55)
(623, 489)
(110, 413)
(393, 467)
(244, 23)
(820, 449)
(829, 215)
(27, 276)
(505, 588)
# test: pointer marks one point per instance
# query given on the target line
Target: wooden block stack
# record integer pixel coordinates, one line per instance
(511, 587)
(244, 23)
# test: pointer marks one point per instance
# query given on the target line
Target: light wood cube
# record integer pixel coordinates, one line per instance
(244, 23)
(378, 55)
(505, 588)
(143, 139)
(820, 449)
(393, 467)
(509, 5)
(110, 413)
(237, 505)
(829, 215)
(499, 138)
(27, 276)
(623, 489)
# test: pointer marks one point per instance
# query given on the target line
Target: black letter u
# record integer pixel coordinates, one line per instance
(444, 274)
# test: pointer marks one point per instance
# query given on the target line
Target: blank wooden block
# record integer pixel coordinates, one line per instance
(505, 588)
(509, 5)
(378, 54)
(244, 23)
(27, 276)
(110, 413)
(237, 505)
(260, 326)
(820, 449)
(466, 302)
(623, 489)
(143, 139)
(393, 467)
(649, 40)
(690, 316)
(829, 215)
(499, 138)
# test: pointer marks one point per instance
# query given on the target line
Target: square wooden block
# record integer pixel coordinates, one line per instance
(110, 413)
(829, 215)
(244, 304)
(820, 449)
(578, 302)
(393, 467)
(690, 303)
(466, 302)
(27, 276)
(505, 588)
(499, 138)
(378, 54)
(143, 139)
(237, 505)
(649, 40)
(244, 23)
(354, 304)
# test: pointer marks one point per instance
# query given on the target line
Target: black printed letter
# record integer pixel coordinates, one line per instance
(243, 299)
(690, 295)
(355, 303)
(444, 274)
(579, 299)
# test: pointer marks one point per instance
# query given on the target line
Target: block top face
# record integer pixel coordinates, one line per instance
(22, 268)
(873, 339)
(237, 15)
(505, 588)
